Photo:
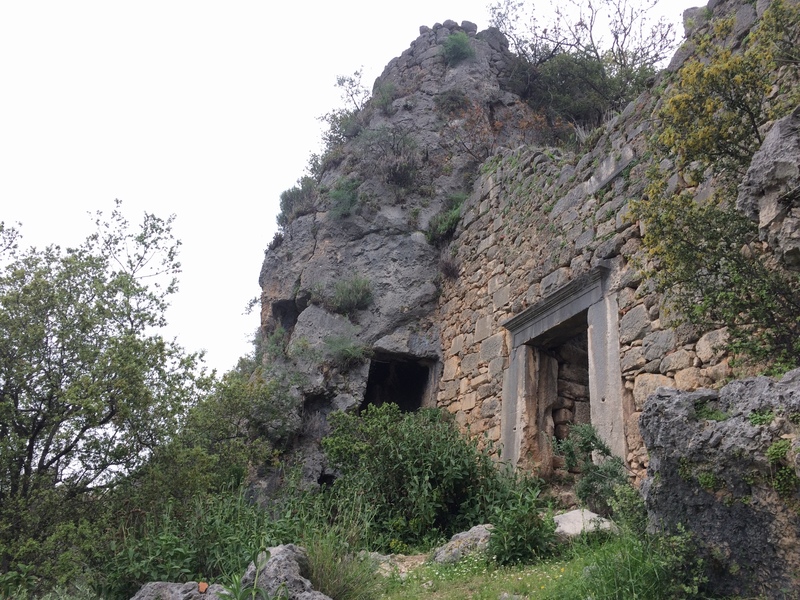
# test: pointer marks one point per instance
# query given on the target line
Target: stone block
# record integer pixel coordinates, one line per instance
(485, 244)
(646, 384)
(501, 297)
(497, 366)
(483, 328)
(633, 359)
(656, 345)
(554, 280)
(468, 401)
(582, 413)
(691, 379)
(719, 372)
(469, 363)
(562, 415)
(493, 347)
(570, 389)
(450, 368)
(680, 359)
(710, 347)
(490, 408)
(480, 380)
(634, 324)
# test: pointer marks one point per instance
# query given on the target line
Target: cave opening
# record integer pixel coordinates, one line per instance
(399, 380)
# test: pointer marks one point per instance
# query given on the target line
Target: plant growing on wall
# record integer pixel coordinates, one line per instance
(442, 226)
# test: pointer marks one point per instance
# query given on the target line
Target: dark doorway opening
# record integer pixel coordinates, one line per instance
(397, 380)
(563, 397)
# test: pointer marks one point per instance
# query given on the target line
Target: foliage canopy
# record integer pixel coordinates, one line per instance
(88, 388)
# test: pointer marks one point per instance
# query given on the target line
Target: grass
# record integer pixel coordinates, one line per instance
(476, 578)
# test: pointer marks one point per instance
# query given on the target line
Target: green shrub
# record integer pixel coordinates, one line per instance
(711, 263)
(345, 352)
(215, 537)
(423, 478)
(777, 450)
(344, 197)
(600, 471)
(297, 201)
(335, 567)
(390, 150)
(522, 531)
(457, 48)
(705, 412)
(350, 295)
(451, 101)
(443, 225)
(760, 417)
(384, 93)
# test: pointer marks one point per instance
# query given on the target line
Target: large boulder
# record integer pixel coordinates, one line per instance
(724, 466)
(464, 544)
(284, 570)
(164, 590)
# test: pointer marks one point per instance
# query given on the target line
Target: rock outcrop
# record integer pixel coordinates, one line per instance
(417, 146)
(770, 192)
(282, 572)
(724, 465)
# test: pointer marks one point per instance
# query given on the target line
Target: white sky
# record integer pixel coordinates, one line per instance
(207, 110)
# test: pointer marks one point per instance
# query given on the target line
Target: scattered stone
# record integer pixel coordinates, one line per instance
(572, 524)
(283, 570)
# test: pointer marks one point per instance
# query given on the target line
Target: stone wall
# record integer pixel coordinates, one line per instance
(539, 219)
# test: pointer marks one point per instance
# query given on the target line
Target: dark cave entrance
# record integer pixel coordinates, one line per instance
(400, 380)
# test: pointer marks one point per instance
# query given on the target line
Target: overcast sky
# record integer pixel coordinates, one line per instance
(207, 110)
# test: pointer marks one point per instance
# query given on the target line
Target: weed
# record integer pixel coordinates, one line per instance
(345, 352)
(705, 412)
(457, 48)
(350, 295)
(344, 197)
(777, 451)
(760, 417)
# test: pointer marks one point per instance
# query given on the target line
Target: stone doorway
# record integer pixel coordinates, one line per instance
(564, 369)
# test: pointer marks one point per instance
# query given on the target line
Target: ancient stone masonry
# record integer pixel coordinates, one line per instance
(548, 321)
(538, 221)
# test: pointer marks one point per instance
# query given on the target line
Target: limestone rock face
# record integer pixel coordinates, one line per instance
(770, 192)
(723, 464)
(413, 147)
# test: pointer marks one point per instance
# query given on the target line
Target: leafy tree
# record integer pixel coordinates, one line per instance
(568, 71)
(88, 387)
